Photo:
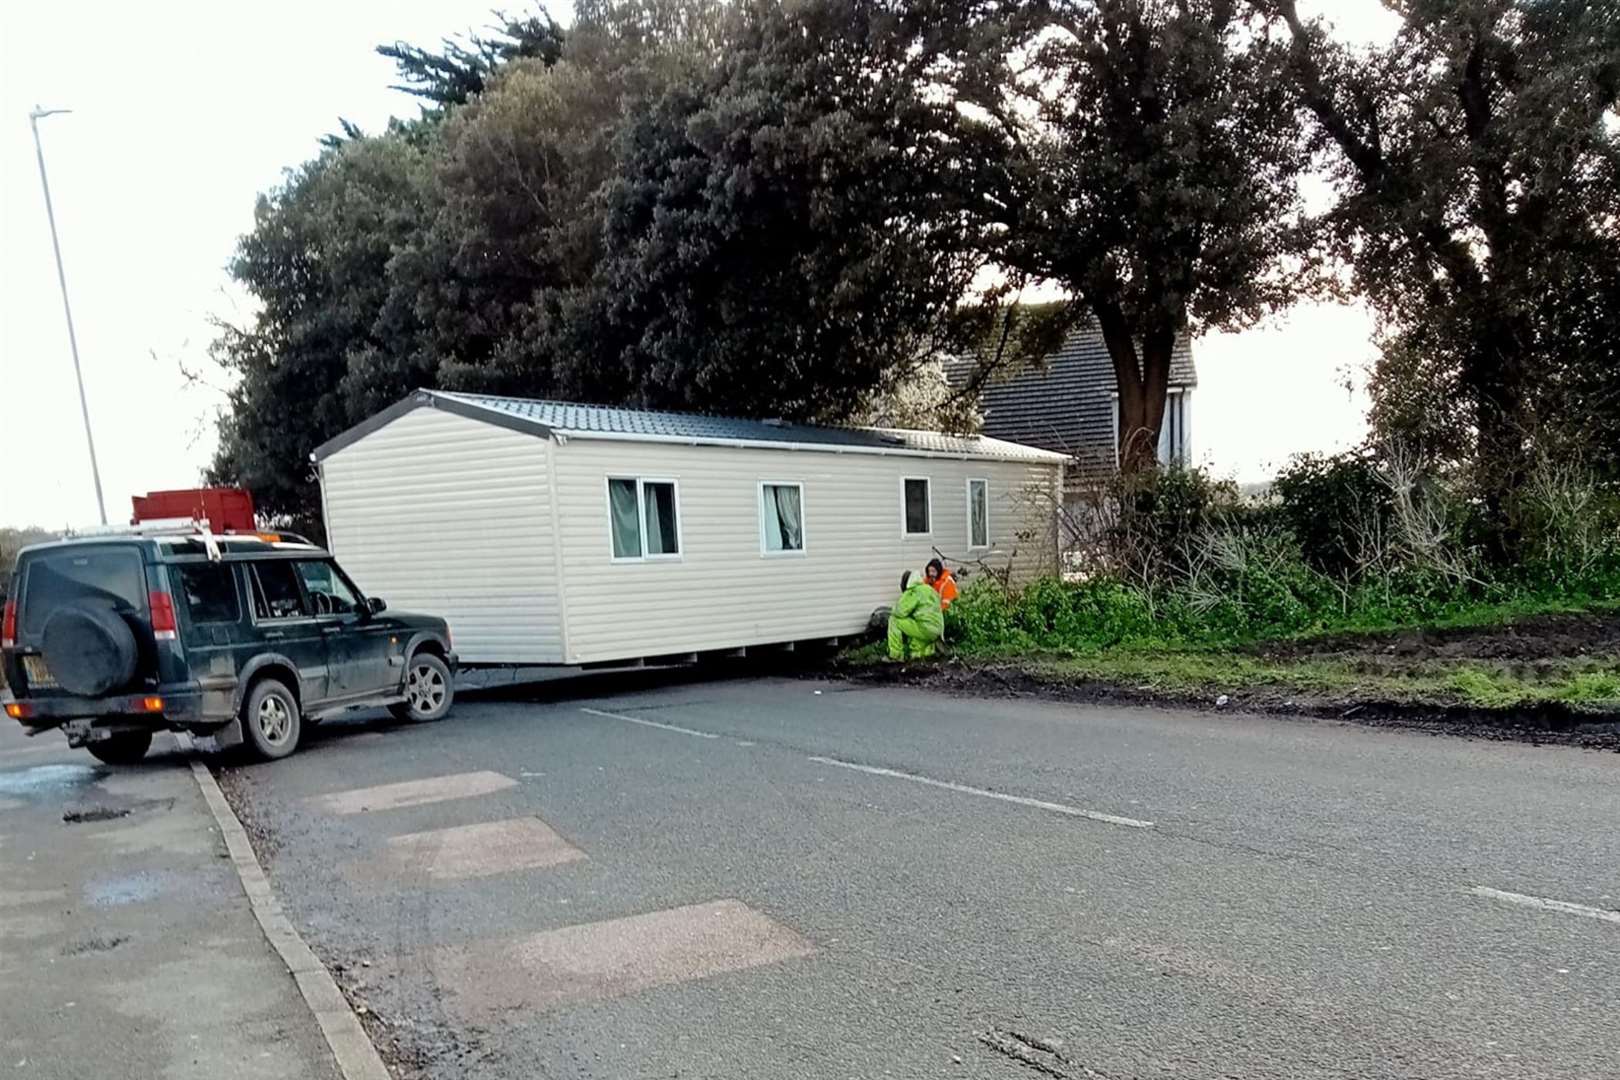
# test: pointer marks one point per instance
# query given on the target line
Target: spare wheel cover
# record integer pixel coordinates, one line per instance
(89, 648)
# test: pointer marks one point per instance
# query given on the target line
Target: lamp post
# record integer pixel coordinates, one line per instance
(34, 118)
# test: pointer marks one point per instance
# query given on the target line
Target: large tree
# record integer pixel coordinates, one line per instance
(769, 241)
(689, 203)
(315, 357)
(1477, 159)
(1140, 154)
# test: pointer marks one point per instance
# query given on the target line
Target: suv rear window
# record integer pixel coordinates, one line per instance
(57, 578)
(210, 592)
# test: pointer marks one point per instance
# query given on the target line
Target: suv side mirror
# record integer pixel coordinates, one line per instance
(375, 605)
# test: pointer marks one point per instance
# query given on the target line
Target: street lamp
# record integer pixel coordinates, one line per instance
(34, 118)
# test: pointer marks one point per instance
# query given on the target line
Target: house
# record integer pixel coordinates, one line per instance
(555, 533)
(1068, 404)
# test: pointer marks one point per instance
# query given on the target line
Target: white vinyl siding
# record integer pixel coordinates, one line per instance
(440, 514)
(722, 594)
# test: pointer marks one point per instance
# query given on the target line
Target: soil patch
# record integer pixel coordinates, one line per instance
(1537, 638)
(1537, 724)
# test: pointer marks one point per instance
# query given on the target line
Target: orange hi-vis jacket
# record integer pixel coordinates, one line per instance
(945, 585)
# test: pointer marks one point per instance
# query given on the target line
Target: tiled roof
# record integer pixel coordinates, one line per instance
(605, 422)
(1064, 404)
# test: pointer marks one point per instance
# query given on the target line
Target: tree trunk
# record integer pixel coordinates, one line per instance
(1143, 380)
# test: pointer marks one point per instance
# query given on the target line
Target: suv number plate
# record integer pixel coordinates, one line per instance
(39, 676)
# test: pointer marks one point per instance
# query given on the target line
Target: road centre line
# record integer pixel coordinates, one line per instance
(651, 723)
(1541, 903)
(963, 789)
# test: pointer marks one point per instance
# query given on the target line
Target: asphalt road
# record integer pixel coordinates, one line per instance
(782, 878)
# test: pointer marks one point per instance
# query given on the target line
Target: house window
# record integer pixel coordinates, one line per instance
(917, 515)
(781, 518)
(978, 517)
(643, 518)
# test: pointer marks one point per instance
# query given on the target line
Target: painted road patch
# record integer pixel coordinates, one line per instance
(614, 958)
(413, 792)
(471, 851)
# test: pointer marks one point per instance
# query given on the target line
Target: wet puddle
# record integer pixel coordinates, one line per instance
(130, 889)
(46, 780)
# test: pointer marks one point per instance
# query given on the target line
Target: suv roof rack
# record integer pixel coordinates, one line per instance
(188, 529)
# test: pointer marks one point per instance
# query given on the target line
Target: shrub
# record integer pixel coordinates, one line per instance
(981, 618)
(1569, 527)
(1161, 512)
(1138, 527)
(1339, 509)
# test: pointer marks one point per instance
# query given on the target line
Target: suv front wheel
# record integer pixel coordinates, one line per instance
(428, 691)
(271, 720)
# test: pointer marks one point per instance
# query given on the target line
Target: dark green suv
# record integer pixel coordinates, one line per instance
(233, 638)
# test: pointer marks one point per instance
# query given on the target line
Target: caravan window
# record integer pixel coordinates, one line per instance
(643, 518)
(781, 518)
(978, 493)
(916, 513)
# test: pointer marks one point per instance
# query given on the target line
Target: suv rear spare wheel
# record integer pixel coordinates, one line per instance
(124, 748)
(271, 720)
(89, 648)
(428, 691)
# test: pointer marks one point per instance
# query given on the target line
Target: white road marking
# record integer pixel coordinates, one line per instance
(413, 792)
(651, 723)
(1541, 903)
(481, 850)
(603, 960)
(1020, 800)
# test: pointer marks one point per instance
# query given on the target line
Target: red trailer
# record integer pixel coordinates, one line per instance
(226, 509)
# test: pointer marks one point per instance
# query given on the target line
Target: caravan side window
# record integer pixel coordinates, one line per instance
(781, 518)
(978, 496)
(643, 518)
(916, 510)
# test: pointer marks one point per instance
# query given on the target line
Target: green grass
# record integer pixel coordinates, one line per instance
(1582, 683)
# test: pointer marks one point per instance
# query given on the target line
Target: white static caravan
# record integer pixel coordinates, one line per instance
(554, 533)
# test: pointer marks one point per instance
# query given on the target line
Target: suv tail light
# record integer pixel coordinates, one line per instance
(8, 626)
(162, 606)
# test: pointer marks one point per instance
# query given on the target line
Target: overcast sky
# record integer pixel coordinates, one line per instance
(184, 111)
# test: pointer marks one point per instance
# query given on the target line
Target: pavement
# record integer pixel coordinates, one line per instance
(127, 946)
(667, 876)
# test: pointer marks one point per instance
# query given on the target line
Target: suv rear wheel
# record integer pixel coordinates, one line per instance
(271, 720)
(124, 748)
(428, 692)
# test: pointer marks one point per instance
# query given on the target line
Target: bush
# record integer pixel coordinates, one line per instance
(1139, 527)
(1339, 509)
(981, 619)
(1351, 544)
(1161, 513)
(1569, 528)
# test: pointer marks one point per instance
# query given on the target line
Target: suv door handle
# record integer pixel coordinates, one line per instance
(331, 628)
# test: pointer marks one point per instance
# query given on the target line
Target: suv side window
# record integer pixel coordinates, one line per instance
(209, 590)
(276, 594)
(328, 591)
